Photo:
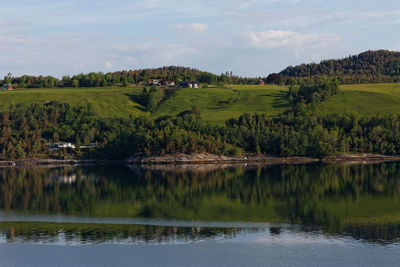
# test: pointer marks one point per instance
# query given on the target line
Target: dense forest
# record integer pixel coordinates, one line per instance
(125, 78)
(368, 67)
(28, 131)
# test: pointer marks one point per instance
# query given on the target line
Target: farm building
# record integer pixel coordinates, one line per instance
(155, 81)
(161, 82)
(169, 83)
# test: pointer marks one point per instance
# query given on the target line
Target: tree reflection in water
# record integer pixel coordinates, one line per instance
(361, 201)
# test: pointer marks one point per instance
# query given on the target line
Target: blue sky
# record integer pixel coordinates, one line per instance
(249, 38)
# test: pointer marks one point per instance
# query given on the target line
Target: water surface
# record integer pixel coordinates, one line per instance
(313, 214)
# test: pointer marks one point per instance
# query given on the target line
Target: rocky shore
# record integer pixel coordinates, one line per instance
(204, 158)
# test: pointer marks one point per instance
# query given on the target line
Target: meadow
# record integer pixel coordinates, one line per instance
(365, 99)
(106, 102)
(216, 105)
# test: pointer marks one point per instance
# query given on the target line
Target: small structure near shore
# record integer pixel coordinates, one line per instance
(61, 145)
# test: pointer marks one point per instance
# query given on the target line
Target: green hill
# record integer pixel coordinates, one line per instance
(106, 102)
(367, 99)
(216, 105)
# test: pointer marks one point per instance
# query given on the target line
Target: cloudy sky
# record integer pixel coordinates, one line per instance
(249, 38)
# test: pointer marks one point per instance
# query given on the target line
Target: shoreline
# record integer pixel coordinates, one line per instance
(202, 159)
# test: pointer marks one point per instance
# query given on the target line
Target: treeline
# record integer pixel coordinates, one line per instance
(368, 67)
(125, 78)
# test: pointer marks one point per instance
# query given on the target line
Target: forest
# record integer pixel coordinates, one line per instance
(125, 78)
(379, 66)
(28, 131)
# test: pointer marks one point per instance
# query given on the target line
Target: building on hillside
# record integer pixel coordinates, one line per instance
(191, 84)
(8, 87)
(155, 81)
(60, 146)
(169, 83)
(159, 82)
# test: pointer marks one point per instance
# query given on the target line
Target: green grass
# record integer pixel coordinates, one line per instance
(366, 99)
(216, 105)
(106, 102)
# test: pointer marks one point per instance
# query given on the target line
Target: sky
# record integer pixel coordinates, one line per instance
(250, 38)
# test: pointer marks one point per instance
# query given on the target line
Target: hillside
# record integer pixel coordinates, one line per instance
(109, 122)
(106, 102)
(368, 67)
(366, 99)
(216, 105)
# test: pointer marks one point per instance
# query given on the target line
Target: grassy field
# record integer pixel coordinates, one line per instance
(107, 102)
(216, 105)
(365, 99)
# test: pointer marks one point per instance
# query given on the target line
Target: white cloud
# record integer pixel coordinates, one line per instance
(108, 64)
(278, 38)
(193, 27)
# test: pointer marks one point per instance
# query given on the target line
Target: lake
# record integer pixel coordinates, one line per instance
(201, 215)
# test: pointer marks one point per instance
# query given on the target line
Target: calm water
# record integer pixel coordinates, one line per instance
(301, 215)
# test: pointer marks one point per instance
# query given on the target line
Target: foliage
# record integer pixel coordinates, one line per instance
(368, 67)
(316, 93)
(304, 131)
(124, 78)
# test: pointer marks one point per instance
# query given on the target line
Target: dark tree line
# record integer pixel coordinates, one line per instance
(368, 67)
(125, 78)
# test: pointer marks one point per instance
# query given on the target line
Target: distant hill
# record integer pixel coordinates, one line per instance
(125, 78)
(368, 67)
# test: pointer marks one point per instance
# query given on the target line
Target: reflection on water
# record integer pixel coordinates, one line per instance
(358, 201)
(102, 233)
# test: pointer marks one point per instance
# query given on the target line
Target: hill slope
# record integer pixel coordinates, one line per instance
(367, 99)
(216, 105)
(106, 102)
